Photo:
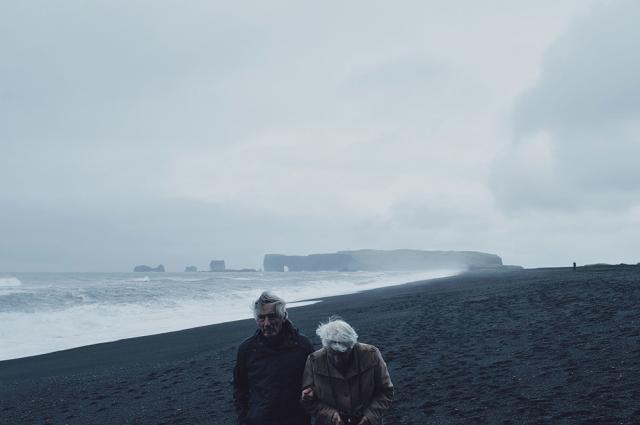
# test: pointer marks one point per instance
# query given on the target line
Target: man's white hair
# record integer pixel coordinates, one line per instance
(269, 298)
(337, 334)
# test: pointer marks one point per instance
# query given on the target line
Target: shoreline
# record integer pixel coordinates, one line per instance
(153, 339)
(49, 324)
(539, 345)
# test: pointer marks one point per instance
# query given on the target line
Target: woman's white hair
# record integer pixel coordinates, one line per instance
(337, 334)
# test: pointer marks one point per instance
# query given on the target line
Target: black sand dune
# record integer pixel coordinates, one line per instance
(534, 346)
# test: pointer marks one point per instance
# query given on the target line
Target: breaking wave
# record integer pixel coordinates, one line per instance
(140, 279)
(9, 282)
(50, 312)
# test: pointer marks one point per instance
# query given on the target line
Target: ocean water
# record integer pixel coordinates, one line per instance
(45, 312)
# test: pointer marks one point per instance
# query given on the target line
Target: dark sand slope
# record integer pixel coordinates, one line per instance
(532, 346)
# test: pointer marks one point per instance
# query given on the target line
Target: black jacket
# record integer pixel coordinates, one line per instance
(267, 379)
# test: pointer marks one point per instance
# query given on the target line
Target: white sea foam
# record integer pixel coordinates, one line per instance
(140, 279)
(302, 303)
(186, 279)
(88, 309)
(8, 282)
(26, 334)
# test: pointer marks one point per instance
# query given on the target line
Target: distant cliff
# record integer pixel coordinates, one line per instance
(145, 269)
(369, 259)
(217, 266)
(313, 262)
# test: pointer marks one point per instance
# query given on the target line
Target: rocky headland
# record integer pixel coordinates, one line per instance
(370, 259)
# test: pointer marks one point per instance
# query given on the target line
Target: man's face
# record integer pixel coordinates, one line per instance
(269, 322)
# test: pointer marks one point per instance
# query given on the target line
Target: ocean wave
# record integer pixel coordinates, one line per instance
(140, 279)
(7, 282)
(60, 315)
(186, 279)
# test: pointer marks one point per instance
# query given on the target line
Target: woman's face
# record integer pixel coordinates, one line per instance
(339, 359)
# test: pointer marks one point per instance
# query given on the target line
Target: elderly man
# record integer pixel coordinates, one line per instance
(345, 382)
(269, 368)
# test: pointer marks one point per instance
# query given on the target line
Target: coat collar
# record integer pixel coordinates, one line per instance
(360, 363)
(288, 337)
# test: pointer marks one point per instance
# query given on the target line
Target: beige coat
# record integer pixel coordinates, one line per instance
(365, 386)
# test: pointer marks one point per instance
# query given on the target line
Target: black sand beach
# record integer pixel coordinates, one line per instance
(532, 346)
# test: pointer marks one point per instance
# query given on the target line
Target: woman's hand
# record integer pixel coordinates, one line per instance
(364, 421)
(307, 393)
(336, 420)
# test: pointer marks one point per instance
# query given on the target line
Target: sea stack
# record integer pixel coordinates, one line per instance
(144, 269)
(217, 266)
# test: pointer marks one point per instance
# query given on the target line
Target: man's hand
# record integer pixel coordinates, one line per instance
(307, 393)
(336, 420)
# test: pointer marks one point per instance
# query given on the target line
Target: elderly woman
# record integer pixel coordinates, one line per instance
(345, 382)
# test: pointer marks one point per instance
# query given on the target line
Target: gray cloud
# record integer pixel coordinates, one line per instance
(162, 132)
(590, 76)
(577, 129)
(120, 72)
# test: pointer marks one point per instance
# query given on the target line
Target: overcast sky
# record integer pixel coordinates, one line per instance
(147, 132)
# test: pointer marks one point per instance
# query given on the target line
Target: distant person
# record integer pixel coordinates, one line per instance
(345, 382)
(269, 367)
(574, 266)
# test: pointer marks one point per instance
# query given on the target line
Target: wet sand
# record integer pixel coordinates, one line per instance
(532, 346)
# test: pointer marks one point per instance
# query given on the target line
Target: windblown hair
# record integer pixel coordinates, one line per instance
(337, 334)
(268, 298)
